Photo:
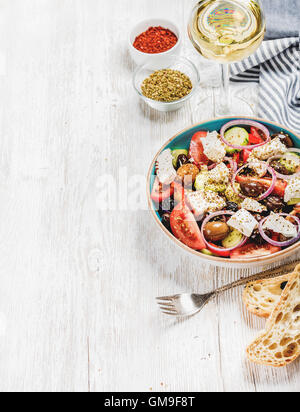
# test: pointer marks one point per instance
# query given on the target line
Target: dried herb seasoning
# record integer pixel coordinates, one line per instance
(167, 86)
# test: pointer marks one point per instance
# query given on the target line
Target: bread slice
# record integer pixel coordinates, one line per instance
(279, 345)
(261, 297)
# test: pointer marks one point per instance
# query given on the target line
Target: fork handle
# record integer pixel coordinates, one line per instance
(268, 274)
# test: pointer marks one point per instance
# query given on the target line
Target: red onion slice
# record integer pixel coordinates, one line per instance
(211, 167)
(266, 194)
(209, 245)
(285, 177)
(245, 123)
(273, 242)
(232, 162)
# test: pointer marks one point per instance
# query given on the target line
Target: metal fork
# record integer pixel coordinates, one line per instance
(191, 304)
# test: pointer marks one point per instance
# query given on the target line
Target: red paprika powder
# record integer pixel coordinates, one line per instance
(155, 40)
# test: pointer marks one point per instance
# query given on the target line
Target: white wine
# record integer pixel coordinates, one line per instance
(227, 30)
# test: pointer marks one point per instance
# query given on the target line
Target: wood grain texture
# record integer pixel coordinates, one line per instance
(77, 309)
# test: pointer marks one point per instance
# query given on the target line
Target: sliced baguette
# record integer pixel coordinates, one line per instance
(279, 345)
(261, 297)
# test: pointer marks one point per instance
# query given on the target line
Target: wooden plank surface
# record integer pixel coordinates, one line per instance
(78, 283)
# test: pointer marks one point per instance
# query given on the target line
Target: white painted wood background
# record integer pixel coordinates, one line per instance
(77, 309)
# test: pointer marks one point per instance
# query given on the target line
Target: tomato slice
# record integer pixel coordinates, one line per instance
(179, 192)
(276, 237)
(254, 140)
(280, 185)
(246, 154)
(237, 158)
(255, 137)
(251, 250)
(221, 254)
(196, 149)
(185, 228)
(161, 192)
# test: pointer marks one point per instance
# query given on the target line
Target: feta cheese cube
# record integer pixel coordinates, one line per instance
(198, 203)
(214, 148)
(253, 206)
(244, 222)
(164, 168)
(203, 202)
(215, 202)
(292, 190)
(220, 174)
(260, 168)
(274, 148)
(279, 224)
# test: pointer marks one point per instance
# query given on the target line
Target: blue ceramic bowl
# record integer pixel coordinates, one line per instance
(182, 141)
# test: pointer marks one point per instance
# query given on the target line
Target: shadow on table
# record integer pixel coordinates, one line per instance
(172, 270)
(260, 375)
(172, 267)
(156, 116)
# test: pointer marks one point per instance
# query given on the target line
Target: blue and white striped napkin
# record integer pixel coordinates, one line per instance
(276, 65)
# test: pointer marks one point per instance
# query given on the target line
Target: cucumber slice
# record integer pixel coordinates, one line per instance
(238, 137)
(231, 196)
(233, 239)
(207, 252)
(217, 188)
(291, 162)
(201, 181)
(293, 202)
(176, 153)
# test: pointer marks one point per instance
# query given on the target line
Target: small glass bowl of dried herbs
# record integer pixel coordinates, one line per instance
(168, 88)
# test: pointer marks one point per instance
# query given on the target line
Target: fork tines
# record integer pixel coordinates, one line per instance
(166, 305)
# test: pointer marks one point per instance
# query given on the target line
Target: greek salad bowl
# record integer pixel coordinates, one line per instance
(228, 191)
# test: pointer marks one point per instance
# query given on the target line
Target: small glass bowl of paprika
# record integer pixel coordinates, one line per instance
(184, 77)
(152, 40)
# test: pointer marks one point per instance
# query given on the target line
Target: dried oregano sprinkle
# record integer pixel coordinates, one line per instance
(167, 85)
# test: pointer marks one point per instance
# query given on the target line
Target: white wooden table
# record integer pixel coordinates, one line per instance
(77, 309)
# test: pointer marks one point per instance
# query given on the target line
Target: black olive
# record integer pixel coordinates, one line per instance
(282, 238)
(257, 239)
(232, 207)
(252, 189)
(246, 171)
(218, 219)
(165, 220)
(166, 206)
(182, 160)
(288, 209)
(280, 168)
(274, 204)
(216, 231)
(285, 138)
(283, 285)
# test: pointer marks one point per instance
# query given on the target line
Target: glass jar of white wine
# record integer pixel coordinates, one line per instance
(227, 31)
